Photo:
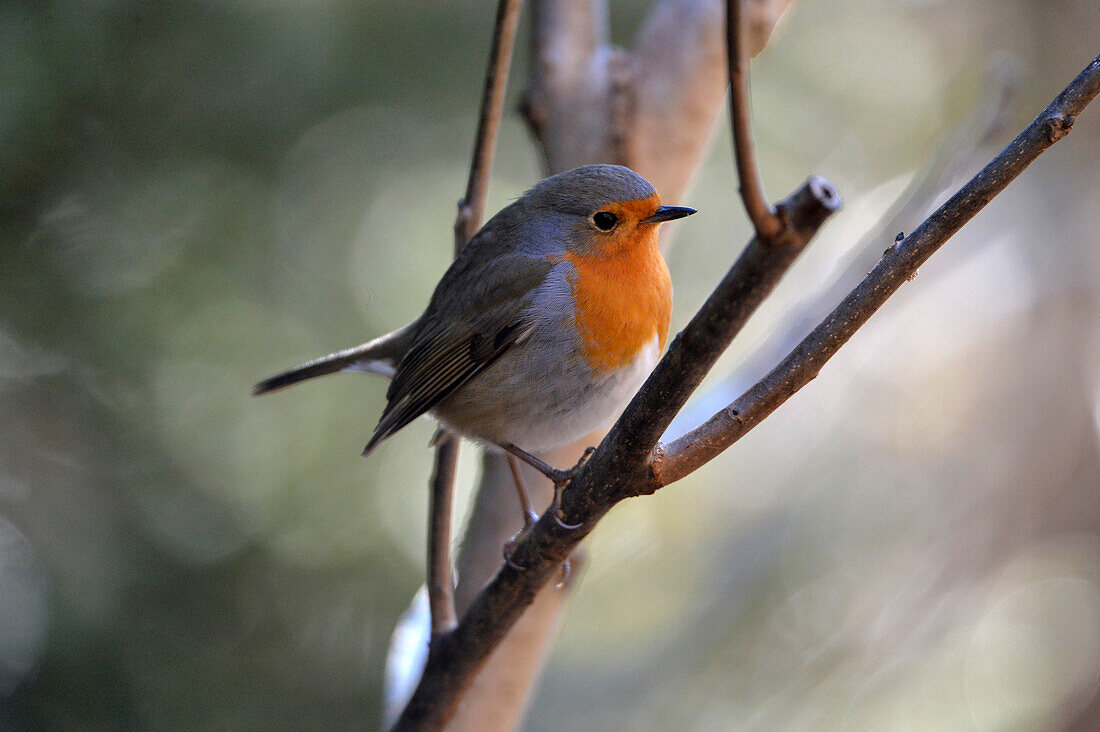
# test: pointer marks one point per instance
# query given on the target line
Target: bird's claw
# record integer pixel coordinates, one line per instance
(555, 512)
(566, 574)
(559, 488)
(509, 548)
(560, 478)
(555, 509)
(564, 476)
(530, 518)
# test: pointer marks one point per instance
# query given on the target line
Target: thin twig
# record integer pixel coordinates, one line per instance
(441, 589)
(898, 265)
(605, 480)
(472, 206)
(763, 216)
(991, 120)
(470, 210)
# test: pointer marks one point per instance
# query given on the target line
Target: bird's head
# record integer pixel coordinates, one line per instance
(600, 210)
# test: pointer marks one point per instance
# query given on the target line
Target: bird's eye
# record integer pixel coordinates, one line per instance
(605, 220)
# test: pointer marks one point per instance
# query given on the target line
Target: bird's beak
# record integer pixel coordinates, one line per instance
(668, 213)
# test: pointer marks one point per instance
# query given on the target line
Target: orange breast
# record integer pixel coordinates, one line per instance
(622, 302)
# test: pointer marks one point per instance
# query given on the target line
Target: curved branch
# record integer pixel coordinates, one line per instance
(763, 217)
(898, 265)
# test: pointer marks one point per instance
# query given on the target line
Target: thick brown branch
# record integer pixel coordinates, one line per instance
(679, 64)
(763, 217)
(653, 108)
(898, 265)
(678, 61)
(566, 94)
(564, 38)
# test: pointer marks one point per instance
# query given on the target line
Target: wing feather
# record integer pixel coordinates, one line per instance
(441, 363)
(478, 311)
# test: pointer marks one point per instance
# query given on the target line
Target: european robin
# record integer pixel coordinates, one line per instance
(543, 327)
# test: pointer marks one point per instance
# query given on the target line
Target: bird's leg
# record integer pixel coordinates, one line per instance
(529, 515)
(560, 478)
(555, 475)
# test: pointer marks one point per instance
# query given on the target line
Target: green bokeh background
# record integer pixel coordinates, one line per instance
(195, 194)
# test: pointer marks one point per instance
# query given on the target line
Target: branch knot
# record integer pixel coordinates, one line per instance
(1058, 126)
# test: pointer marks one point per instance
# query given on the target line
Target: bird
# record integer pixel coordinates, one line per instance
(540, 331)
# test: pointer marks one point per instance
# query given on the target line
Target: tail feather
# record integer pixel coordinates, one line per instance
(379, 356)
(373, 442)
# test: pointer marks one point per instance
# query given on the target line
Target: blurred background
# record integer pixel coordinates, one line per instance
(194, 195)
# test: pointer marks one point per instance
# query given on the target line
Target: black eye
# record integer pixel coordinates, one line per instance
(605, 220)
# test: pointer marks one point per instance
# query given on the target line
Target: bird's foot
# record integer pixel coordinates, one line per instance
(559, 488)
(560, 478)
(530, 518)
